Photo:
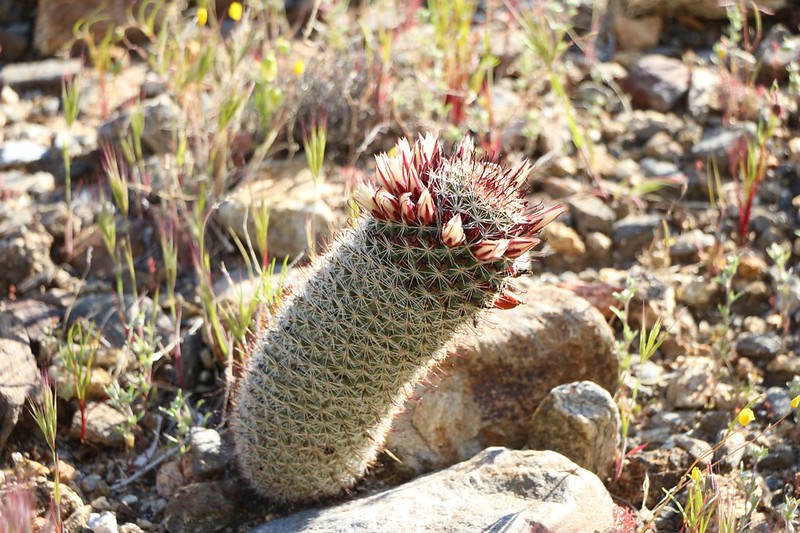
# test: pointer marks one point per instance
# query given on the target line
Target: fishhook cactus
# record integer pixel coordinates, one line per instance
(437, 244)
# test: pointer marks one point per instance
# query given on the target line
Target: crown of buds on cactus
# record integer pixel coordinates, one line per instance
(436, 246)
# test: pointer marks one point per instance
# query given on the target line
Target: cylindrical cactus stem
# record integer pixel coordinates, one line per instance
(436, 245)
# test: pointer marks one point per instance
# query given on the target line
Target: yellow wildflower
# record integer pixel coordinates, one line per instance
(235, 11)
(746, 416)
(696, 475)
(299, 67)
(796, 402)
(202, 16)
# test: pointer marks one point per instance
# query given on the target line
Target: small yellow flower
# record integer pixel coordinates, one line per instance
(299, 67)
(746, 416)
(202, 16)
(235, 11)
(796, 402)
(696, 475)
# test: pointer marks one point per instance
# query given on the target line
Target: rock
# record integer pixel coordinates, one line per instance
(102, 422)
(55, 20)
(635, 34)
(502, 372)
(160, 124)
(752, 267)
(776, 403)
(776, 51)
(580, 421)
(105, 522)
(19, 376)
(169, 479)
(785, 364)
(661, 146)
(697, 292)
(14, 41)
(565, 241)
(704, 9)
(698, 449)
(515, 491)
(759, 346)
(93, 483)
(692, 386)
(657, 82)
(591, 213)
(731, 449)
(599, 245)
(556, 187)
(778, 458)
(208, 507)
(292, 198)
(635, 232)
(659, 169)
(78, 520)
(45, 76)
(38, 318)
(37, 184)
(103, 310)
(130, 528)
(716, 142)
(14, 154)
(663, 468)
(704, 93)
(208, 457)
(688, 246)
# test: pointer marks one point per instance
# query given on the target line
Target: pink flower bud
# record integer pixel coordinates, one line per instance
(466, 149)
(452, 232)
(364, 195)
(543, 218)
(407, 208)
(426, 210)
(505, 300)
(520, 245)
(490, 249)
(424, 149)
(390, 173)
(388, 204)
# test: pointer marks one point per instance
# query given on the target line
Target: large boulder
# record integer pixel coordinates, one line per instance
(296, 202)
(498, 377)
(19, 377)
(581, 421)
(498, 490)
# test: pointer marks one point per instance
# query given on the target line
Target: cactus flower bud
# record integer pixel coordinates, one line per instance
(490, 249)
(452, 232)
(424, 150)
(505, 300)
(407, 208)
(390, 173)
(545, 217)
(364, 195)
(388, 204)
(520, 245)
(466, 149)
(426, 210)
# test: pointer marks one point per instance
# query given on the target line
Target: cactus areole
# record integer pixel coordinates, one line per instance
(436, 244)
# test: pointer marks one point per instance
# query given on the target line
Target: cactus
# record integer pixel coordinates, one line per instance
(436, 245)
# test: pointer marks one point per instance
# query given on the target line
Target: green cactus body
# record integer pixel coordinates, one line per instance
(337, 361)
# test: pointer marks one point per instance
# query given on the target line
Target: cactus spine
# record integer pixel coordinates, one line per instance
(436, 245)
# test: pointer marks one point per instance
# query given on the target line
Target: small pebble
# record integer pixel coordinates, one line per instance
(105, 522)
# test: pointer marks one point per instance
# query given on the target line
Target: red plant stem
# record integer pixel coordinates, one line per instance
(83, 420)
